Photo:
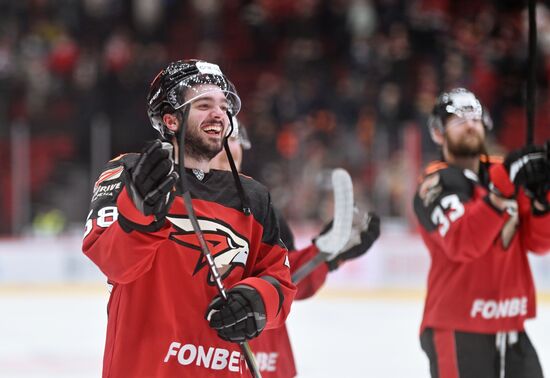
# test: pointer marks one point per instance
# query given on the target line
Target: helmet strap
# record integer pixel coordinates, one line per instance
(236, 178)
(182, 115)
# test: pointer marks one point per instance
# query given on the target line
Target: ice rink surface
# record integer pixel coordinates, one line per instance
(60, 333)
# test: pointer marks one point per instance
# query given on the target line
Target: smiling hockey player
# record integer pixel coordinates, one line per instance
(165, 317)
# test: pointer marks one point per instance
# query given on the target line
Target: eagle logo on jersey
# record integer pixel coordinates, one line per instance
(228, 248)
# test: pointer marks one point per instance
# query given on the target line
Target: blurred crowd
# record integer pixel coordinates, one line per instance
(324, 84)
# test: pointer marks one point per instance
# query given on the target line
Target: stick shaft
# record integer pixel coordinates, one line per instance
(309, 267)
(245, 348)
(532, 73)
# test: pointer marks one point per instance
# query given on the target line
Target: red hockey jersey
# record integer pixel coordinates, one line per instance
(161, 282)
(480, 279)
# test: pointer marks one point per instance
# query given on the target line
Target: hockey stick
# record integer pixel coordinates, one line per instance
(337, 237)
(245, 348)
(532, 72)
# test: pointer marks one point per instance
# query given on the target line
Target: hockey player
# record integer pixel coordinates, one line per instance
(165, 317)
(479, 216)
(272, 348)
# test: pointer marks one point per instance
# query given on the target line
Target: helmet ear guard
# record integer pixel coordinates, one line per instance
(486, 119)
(239, 133)
(435, 125)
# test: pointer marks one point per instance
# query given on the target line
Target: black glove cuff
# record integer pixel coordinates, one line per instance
(136, 197)
(537, 211)
(333, 264)
(129, 226)
(492, 205)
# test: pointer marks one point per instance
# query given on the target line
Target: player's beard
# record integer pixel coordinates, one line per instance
(469, 145)
(198, 147)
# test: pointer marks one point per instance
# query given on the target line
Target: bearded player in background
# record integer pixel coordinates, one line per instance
(479, 217)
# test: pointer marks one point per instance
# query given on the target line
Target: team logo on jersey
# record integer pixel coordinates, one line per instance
(228, 248)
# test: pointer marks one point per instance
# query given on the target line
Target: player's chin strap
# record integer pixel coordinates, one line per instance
(242, 194)
(216, 277)
(182, 117)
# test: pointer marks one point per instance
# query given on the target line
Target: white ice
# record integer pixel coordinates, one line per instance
(60, 333)
(374, 338)
(372, 332)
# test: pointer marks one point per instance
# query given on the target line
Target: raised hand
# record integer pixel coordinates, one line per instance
(152, 179)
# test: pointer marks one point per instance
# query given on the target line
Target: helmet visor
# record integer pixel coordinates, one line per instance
(207, 80)
(465, 105)
(239, 133)
(243, 138)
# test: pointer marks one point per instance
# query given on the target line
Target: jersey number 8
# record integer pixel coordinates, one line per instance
(105, 217)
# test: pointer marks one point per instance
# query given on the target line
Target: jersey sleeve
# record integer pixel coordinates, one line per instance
(311, 283)
(536, 225)
(285, 232)
(122, 256)
(271, 272)
(455, 214)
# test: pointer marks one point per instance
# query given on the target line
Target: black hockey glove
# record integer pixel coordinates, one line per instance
(366, 234)
(528, 167)
(242, 317)
(152, 179)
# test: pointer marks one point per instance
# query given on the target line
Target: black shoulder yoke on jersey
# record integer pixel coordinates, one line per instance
(219, 186)
(216, 186)
(111, 180)
(441, 180)
(287, 236)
